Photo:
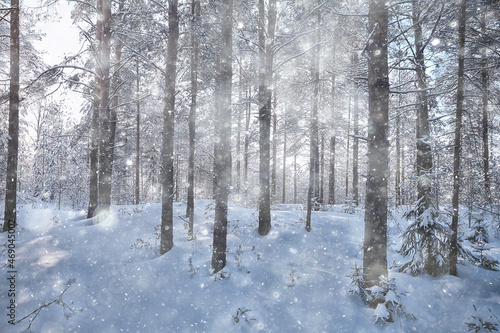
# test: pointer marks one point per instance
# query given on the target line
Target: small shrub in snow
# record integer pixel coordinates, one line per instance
(384, 297)
(426, 242)
(479, 323)
(479, 239)
(257, 255)
(349, 207)
(243, 314)
(293, 278)
(237, 257)
(357, 285)
(148, 244)
(192, 269)
(141, 244)
(390, 302)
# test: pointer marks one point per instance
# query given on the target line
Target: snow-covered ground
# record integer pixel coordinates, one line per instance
(288, 281)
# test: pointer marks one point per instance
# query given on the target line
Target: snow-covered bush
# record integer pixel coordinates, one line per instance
(357, 285)
(349, 207)
(385, 297)
(390, 302)
(426, 242)
(479, 239)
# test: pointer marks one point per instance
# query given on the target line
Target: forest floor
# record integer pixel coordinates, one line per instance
(288, 281)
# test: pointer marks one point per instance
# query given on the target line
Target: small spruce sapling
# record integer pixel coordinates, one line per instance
(385, 295)
(357, 285)
(479, 242)
(389, 301)
(349, 206)
(425, 241)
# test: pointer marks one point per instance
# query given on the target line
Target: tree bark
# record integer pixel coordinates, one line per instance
(331, 180)
(10, 220)
(424, 163)
(457, 142)
(322, 170)
(266, 43)
(116, 82)
(138, 138)
(375, 236)
(105, 117)
(398, 153)
(331, 175)
(238, 134)
(195, 12)
(424, 152)
(94, 141)
(283, 181)
(246, 144)
(403, 174)
(355, 140)
(485, 121)
(355, 151)
(168, 184)
(295, 178)
(347, 149)
(313, 191)
(275, 125)
(223, 145)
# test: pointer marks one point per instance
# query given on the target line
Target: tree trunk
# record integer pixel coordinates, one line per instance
(347, 149)
(375, 236)
(247, 139)
(275, 125)
(331, 176)
(105, 117)
(295, 178)
(167, 209)
(424, 152)
(398, 162)
(355, 151)
(424, 164)
(283, 181)
(403, 177)
(331, 180)
(223, 145)
(138, 139)
(176, 172)
(238, 133)
(457, 143)
(195, 12)
(355, 140)
(10, 220)
(313, 191)
(59, 177)
(94, 148)
(485, 122)
(322, 170)
(398, 153)
(266, 43)
(116, 82)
